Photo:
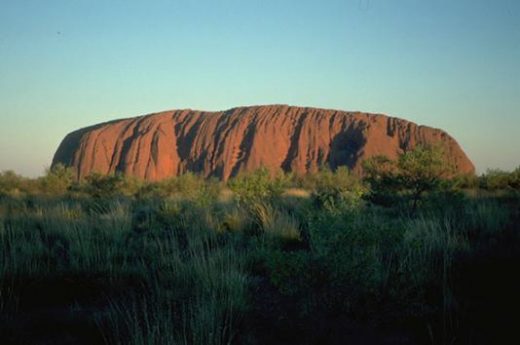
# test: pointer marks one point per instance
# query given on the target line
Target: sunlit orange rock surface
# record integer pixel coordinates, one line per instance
(224, 143)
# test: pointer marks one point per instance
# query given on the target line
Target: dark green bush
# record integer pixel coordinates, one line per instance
(415, 173)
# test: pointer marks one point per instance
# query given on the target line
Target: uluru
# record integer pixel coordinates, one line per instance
(223, 144)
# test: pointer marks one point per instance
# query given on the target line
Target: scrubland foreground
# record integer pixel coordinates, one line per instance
(323, 259)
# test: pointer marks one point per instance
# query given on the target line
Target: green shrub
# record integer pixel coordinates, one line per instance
(337, 189)
(496, 179)
(11, 184)
(257, 185)
(187, 186)
(414, 173)
(514, 181)
(57, 180)
(101, 186)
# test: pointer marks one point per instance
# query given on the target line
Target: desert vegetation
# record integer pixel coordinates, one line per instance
(408, 254)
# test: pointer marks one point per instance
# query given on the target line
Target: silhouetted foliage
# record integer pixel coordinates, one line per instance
(414, 173)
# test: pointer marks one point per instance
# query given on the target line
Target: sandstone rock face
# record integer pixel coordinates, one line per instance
(223, 144)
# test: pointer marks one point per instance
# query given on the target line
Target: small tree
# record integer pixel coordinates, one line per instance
(381, 175)
(415, 172)
(422, 170)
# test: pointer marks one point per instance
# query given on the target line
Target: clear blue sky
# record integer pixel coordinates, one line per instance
(452, 64)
